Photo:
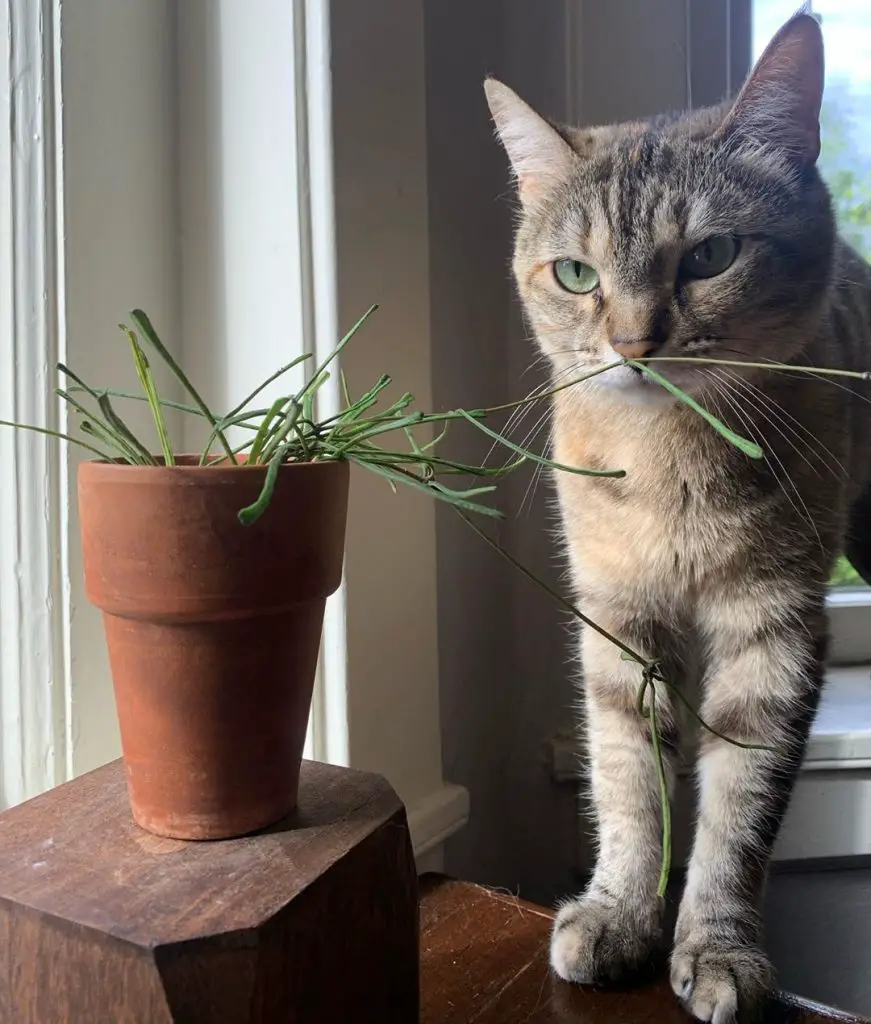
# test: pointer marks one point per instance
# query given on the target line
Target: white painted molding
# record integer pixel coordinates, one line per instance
(829, 815)
(34, 672)
(437, 816)
(328, 738)
(850, 627)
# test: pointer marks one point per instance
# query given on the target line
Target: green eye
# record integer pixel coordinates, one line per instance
(711, 257)
(575, 276)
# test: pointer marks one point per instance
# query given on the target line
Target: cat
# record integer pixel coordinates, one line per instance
(709, 234)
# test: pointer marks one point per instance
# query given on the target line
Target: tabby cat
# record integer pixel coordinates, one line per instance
(709, 234)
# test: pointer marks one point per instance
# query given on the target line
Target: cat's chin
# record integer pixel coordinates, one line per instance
(624, 384)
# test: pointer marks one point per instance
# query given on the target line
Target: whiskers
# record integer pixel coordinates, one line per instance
(519, 429)
(785, 423)
(736, 394)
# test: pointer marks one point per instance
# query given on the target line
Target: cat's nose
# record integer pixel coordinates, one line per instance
(633, 348)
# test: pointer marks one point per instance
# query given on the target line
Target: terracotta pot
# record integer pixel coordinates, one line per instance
(213, 631)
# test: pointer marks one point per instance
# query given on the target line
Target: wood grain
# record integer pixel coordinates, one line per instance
(314, 919)
(484, 960)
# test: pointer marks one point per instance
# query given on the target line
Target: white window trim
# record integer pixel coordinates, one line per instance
(271, 233)
(34, 667)
(328, 738)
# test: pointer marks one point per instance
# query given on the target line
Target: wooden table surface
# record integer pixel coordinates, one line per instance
(484, 960)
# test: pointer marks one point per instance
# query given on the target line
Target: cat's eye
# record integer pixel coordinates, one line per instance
(711, 257)
(575, 276)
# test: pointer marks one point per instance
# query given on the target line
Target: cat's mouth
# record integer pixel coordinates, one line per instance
(631, 384)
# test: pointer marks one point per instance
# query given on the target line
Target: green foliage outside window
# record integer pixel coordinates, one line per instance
(844, 167)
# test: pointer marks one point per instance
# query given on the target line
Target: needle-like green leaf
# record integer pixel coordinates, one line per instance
(150, 334)
(146, 380)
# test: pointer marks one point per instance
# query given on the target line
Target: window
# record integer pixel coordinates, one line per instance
(844, 163)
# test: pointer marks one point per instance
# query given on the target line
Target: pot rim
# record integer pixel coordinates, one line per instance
(189, 464)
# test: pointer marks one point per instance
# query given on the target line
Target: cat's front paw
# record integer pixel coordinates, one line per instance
(594, 943)
(720, 982)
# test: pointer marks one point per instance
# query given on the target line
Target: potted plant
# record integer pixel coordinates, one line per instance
(212, 571)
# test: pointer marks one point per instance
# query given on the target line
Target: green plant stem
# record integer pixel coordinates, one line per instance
(458, 499)
(115, 393)
(120, 428)
(100, 430)
(665, 802)
(812, 370)
(510, 406)
(119, 439)
(283, 429)
(567, 605)
(251, 513)
(269, 380)
(263, 431)
(58, 436)
(496, 436)
(312, 384)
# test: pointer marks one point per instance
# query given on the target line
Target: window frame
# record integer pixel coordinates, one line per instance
(35, 689)
(849, 608)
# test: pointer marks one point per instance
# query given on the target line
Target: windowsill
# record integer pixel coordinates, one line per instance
(840, 738)
(841, 734)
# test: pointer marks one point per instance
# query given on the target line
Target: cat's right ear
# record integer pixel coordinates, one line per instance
(539, 155)
(779, 104)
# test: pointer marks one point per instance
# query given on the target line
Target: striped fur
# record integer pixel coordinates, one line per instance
(701, 557)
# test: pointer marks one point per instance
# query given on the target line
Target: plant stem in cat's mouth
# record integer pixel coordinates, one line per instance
(741, 443)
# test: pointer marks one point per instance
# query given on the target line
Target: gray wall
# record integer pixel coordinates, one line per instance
(818, 934)
(469, 228)
(504, 687)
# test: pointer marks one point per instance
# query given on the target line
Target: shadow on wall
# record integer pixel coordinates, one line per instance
(505, 687)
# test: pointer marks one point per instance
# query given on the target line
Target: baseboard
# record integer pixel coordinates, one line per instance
(437, 816)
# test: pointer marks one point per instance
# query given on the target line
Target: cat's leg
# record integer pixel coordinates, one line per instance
(613, 927)
(761, 687)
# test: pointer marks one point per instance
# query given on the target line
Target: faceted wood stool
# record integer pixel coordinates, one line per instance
(312, 921)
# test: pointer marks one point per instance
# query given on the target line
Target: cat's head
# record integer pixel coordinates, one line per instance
(707, 235)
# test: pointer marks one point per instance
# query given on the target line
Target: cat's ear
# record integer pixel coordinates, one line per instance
(539, 155)
(780, 101)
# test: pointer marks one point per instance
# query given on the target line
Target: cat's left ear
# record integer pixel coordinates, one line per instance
(539, 155)
(780, 101)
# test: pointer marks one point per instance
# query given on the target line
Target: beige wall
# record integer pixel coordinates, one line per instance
(119, 156)
(380, 145)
